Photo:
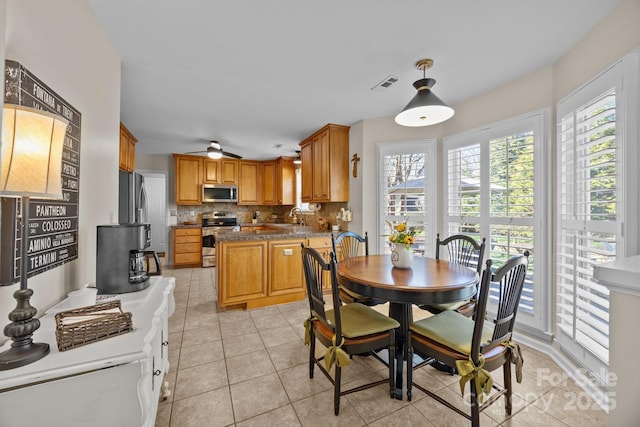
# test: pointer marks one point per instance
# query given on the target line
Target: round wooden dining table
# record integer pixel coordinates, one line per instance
(428, 281)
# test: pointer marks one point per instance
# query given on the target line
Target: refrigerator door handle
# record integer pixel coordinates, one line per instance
(142, 205)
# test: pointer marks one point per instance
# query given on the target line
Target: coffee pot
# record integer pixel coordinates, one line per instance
(139, 266)
(122, 263)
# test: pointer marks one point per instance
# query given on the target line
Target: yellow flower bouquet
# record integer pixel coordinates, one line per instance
(402, 234)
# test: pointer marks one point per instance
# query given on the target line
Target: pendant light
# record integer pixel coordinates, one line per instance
(425, 108)
(298, 159)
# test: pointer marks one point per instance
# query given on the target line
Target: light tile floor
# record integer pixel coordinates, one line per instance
(250, 368)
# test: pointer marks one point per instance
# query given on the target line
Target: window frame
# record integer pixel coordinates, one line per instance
(623, 76)
(538, 323)
(428, 147)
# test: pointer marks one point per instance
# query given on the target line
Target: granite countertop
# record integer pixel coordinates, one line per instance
(197, 225)
(274, 231)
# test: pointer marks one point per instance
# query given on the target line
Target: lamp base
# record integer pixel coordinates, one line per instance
(20, 356)
(23, 350)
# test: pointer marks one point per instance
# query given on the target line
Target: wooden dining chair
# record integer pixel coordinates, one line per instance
(346, 330)
(351, 244)
(473, 347)
(463, 250)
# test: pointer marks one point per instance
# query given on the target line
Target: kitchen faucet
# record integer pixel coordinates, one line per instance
(296, 213)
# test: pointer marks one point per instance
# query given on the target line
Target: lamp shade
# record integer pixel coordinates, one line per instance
(425, 108)
(31, 152)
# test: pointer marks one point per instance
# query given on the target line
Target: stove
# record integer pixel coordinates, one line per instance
(213, 222)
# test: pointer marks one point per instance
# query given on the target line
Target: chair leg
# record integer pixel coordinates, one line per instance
(312, 353)
(392, 358)
(409, 366)
(506, 368)
(475, 405)
(336, 390)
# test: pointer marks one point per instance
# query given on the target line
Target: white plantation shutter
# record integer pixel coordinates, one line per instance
(492, 178)
(588, 197)
(407, 191)
(463, 187)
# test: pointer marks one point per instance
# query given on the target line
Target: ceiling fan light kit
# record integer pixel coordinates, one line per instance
(425, 108)
(215, 151)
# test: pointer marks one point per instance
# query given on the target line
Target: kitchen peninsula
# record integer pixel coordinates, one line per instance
(261, 264)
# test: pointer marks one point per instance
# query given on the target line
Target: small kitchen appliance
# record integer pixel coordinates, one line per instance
(122, 263)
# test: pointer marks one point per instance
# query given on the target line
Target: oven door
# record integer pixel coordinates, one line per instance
(208, 248)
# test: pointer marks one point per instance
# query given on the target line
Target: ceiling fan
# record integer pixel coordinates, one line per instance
(215, 151)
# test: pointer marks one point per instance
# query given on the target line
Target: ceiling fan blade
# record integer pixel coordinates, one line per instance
(196, 152)
(235, 156)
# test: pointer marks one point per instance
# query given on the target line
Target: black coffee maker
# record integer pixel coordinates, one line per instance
(122, 263)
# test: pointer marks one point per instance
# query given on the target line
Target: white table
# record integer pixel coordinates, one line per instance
(113, 382)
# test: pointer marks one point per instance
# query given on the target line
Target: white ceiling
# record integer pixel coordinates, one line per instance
(254, 73)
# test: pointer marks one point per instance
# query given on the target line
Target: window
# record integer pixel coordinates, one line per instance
(495, 184)
(597, 202)
(406, 186)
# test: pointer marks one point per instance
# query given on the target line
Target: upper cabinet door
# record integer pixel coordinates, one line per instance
(188, 180)
(228, 171)
(248, 183)
(211, 171)
(325, 165)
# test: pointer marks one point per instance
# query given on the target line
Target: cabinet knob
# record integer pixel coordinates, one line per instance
(157, 372)
(165, 343)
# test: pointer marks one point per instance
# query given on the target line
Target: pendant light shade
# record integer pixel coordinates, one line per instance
(425, 108)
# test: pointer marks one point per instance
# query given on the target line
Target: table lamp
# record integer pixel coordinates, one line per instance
(31, 160)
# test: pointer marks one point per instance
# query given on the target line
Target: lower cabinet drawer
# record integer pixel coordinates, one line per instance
(188, 239)
(192, 258)
(186, 248)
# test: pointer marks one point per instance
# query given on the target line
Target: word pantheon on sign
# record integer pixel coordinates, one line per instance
(53, 224)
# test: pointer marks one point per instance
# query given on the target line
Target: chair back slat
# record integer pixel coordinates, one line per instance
(316, 271)
(510, 281)
(349, 243)
(463, 250)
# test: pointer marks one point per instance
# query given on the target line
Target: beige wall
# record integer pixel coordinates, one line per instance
(62, 43)
(616, 35)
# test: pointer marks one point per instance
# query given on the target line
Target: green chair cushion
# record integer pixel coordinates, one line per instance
(451, 329)
(359, 320)
(450, 306)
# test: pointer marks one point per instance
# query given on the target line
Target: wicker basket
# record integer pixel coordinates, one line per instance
(91, 325)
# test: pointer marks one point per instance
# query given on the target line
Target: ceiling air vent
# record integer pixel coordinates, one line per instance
(388, 81)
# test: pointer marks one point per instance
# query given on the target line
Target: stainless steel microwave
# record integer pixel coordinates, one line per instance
(219, 193)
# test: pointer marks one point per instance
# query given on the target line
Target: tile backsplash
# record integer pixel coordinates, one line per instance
(266, 214)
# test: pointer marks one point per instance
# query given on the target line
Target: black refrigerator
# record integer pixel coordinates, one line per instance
(132, 204)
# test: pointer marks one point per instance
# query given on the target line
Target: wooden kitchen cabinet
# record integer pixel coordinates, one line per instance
(242, 271)
(127, 149)
(258, 273)
(187, 247)
(325, 165)
(286, 276)
(220, 171)
(249, 186)
(188, 179)
(269, 183)
(285, 181)
(324, 246)
(210, 171)
(228, 171)
(278, 182)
